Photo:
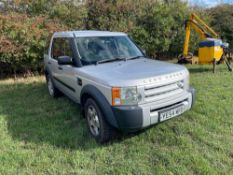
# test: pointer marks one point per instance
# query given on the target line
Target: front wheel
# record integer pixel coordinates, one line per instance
(98, 127)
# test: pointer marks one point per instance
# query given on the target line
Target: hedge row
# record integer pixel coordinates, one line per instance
(22, 42)
(157, 26)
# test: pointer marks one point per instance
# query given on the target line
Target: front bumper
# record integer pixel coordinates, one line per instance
(131, 118)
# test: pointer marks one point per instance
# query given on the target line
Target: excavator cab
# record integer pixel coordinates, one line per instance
(210, 49)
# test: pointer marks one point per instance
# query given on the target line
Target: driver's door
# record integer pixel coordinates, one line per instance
(68, 77)
(64, 75)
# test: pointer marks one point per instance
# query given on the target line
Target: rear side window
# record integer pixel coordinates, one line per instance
(61, 47)
(46, 48)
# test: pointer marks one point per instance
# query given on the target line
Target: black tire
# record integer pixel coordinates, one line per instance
(185, 60)
(53, 91)
(106, 132)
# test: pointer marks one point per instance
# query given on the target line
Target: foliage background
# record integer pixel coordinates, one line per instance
(156, 26)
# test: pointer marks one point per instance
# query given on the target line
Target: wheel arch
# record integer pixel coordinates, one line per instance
(90, 91)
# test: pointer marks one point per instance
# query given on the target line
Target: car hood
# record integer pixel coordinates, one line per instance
(131, 72)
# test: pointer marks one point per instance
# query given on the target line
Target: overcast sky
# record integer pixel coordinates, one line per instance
(208, 3)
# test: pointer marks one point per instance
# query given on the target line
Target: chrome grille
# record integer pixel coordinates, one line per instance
(154, 93)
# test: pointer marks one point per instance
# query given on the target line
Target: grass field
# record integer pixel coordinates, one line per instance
(41, 135)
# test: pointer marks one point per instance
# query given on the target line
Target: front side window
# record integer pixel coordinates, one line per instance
(61, 47)
(94, 49)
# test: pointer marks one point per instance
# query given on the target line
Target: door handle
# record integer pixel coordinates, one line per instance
(60, 68)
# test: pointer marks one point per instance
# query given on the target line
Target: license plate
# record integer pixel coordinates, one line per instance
(165, 115)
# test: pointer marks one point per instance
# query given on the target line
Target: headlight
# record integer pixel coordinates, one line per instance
(125, 96)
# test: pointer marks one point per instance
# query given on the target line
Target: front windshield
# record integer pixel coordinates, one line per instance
(94, 49)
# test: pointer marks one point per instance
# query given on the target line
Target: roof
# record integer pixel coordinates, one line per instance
(86, 33)
(209, 42)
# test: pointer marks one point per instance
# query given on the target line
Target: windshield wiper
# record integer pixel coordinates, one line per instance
(135, 57)
(118, 59)
(110, 60)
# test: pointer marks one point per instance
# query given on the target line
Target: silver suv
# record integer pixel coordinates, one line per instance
(117, 86)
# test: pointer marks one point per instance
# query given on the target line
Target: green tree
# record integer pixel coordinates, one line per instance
(159, 28)
(222, 22)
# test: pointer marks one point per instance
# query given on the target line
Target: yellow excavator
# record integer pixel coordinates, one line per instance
(212, 50)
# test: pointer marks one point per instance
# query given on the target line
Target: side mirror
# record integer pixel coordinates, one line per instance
(64, 60)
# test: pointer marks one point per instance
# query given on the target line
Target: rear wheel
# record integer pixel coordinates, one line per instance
(98, 127)
(53, 91)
